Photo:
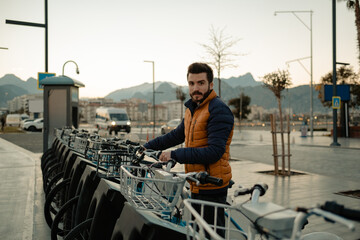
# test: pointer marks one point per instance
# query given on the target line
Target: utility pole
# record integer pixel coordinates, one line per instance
(334, 143)
(31, 24)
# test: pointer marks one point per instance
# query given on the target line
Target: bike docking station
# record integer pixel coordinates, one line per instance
(61, 105)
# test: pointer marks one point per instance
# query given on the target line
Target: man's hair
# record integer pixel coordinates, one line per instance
(200, 68)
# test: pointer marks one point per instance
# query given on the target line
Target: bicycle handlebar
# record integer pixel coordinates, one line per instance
(258, 189)
(200, 178)
(333, 217)
(340, 210)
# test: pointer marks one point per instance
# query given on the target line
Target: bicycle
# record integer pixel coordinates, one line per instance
(154, 197)
(265, 219)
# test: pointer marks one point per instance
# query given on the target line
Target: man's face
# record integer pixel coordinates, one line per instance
(198, 86)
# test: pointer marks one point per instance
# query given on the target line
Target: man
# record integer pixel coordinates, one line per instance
(207, 130)
(3, 121)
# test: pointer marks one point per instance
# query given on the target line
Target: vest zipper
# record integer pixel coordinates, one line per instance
(192, 135)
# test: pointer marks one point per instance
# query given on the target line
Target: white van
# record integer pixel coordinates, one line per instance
(15, 119)
(112, 119)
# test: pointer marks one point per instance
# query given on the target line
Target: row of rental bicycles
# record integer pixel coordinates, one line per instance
(110, 188)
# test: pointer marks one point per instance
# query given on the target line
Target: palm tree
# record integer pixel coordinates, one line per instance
(354, 4)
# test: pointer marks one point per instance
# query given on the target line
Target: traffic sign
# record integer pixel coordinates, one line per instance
(336, 102)
(43, 75)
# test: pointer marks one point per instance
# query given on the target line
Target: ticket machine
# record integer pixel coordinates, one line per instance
(61, 105)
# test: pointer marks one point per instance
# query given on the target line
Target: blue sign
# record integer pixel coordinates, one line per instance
(336, 102)
(43, 75)
(342, 91)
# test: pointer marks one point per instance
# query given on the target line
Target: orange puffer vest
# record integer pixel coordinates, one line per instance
(196, 136)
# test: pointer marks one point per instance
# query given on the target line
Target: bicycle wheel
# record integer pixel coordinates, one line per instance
(46, 154)
(63, 220)
(55, 200)
(50, 174)
(49, 164)
(81, 231)
(54, 181)
(50, 157)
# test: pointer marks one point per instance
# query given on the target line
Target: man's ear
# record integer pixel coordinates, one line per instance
(211, 85)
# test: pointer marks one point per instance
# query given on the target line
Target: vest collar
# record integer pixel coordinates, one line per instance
(192, 105)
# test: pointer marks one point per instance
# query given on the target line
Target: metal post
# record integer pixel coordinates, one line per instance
(311, 60)
(46, 37)
(153, 66)
(334, 143)
(311, 81)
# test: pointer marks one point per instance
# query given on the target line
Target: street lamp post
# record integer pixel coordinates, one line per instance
(334, 143)
(31, 24)
(153, 66)
(311, 61)
(77, 67)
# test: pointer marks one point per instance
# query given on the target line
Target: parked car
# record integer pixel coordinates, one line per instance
(36, 125)
(170, 125)
(24, 121)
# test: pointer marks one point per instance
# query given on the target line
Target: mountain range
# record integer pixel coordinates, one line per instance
(11, 86)
(297, 97)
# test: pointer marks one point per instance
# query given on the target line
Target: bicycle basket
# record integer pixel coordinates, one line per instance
(112, 160)
(148, 189)
(198, 228)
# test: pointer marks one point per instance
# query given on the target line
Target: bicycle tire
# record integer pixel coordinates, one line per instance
(48, 164)
(53, 182)
(79, 230)
(46, 153)
(55, 230)
(49, 209)
(51, 173)
(47, 159)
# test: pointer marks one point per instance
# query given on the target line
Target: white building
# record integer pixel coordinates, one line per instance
(174, 109)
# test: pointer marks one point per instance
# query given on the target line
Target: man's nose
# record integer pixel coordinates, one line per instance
(196, 87)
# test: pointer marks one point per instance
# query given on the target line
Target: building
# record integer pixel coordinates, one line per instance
(174, 109)
(31, 104)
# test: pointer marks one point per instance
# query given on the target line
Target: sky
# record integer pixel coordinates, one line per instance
(111, 39)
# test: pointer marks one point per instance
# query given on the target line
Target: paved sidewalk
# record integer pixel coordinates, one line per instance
(21, 194)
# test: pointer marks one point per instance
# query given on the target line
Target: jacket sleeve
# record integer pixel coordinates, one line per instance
(171, 139)
(220, 125)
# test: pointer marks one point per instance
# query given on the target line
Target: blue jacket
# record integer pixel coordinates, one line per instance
(219, 127)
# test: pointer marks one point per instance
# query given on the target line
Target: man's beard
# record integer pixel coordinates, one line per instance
(205, 95)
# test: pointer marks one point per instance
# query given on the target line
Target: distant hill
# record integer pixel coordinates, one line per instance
(298, 97)
(144, 89)
(11, 86)
(29, 85)
(246, 80)
(8, 92)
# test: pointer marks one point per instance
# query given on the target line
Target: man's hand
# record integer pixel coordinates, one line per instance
(165, 156)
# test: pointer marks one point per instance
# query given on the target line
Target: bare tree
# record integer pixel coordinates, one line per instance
(219, 51)
(278, 81)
